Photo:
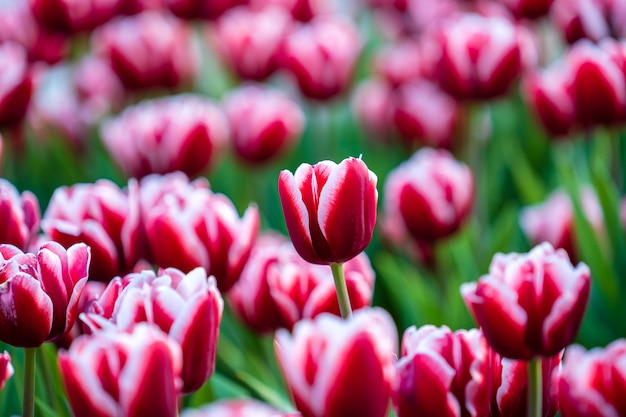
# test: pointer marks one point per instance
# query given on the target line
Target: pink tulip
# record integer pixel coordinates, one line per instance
(20, 215)
(431, 192)
(591, 19)
(16, 84)
(530, 305)
(593, 383)
(235, 408)
(370, 104)
(442, 373)
(65, 16)
(40, 292)
(132, 7)
(6, 368)
(103, 216)
(174, 133)
(330, 209)
(187, 225)
(113, 373)
(249, 40)
(302, 10)
(401, 63)
(265, 123)
(97, 87)
(202, 9)
(335, 367)
(321, 56)
(148, 50)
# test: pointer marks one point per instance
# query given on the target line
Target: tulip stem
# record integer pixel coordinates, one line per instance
(29, 382)
(535, 389)
(342, 290)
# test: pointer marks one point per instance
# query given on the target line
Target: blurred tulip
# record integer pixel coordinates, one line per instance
(442, 373)
(235, 408)
(202, 9)
(131, 7)
(40, 292)
(530, 9)
(370, 104)
(330, 209)
(591, 19)
(593, 383)
(187, 225)
(97, 87)
(530, 305)
(278, 288)
(400, 63)
(113, 373)
(249, 40)
(16, 84)
(6, 368)
(321, 56)
(188, 307)
(65, 16)
(174, 133)
(553, 220)
(302, 10)
(481, 57)
(427, 15)
(103, 216)
(336, 367)
(148, 50)
(431, 192)
(264, 123)
(20, 216)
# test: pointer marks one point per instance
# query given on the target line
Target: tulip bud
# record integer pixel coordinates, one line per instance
(442, 373)
(235, 408)
(431, 192)
(6, 368)
(530, 305)
(20, 215)
(112, 374)
(593, 382)
(330, 209)
(264, 123)
(16, 84)
(40, 292)
(336, 367)
(64, 16)
(175, 133)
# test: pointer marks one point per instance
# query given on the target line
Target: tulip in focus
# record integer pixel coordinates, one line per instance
(16, 84)
(6, 368)
(65, 16)
(431, 192)
(338, 368)
(113, 373)
(235, 408)
(264, 123)
(19, 216)
(174, 133)
(40, 292)
(530, 305)
(330, 209)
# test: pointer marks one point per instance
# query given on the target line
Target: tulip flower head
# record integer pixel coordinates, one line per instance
(6, 368)
(65, 16)
(20, 215)
(16, 84)
(330, 209)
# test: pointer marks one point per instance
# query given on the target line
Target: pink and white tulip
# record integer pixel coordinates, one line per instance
(235, 408)
(16, 84)
(20, 215)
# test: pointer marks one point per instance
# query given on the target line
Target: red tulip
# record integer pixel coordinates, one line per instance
(113, 373)
(321, 56)
(148, 50)
(302, 10)
(202, 9)
(442, 373)
(530, 305)
(265, 123)
(131, 7)
(249, 40)
(531, 9)
(330, 209)
(103, 216)
(336, 367)
(593, 383)
(235, 408)
(20, 215)
(431, 192)
(65, 16)
(174, 133)
(40, 292)
(16, 84)
(6, 369)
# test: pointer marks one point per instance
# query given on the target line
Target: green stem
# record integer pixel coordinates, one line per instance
(535, 390)
(29, 382)
(342, 290)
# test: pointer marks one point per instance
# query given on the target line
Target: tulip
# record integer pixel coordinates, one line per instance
(187, 225)
(336, 367)
(442, 373)
(40, 292)
(302, 10)
(591, 19)
(132, 7)
(64, 16)
(431, 192)
(104, 217)
(330, 209)
(202, 9)
(235, 408)
(16, 84)
(20, 215)
(321, 56)
(97, 87)
(113, 373)
(6, 368)
(531, 9)
(593, 383)
(264, 123)
(148, 50)
(249, 40)
(187, 307)
(175, 133)
(401, 63)
(530, 305)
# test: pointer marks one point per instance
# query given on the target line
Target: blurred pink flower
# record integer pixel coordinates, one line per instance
(591, 19)
(20, 215)
(16, 84)
(6, 368)
(66, 15)
(97, 87)
(202, 9)
(235, 408)
(371, 101)
(302, 10)
(530, 9)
